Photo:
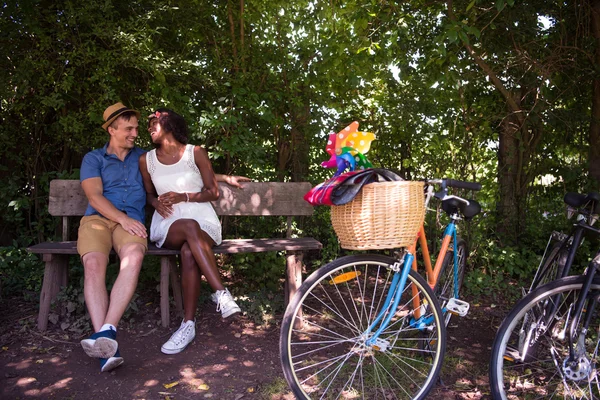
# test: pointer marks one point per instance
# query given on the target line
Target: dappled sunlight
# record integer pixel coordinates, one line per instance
(248, 363)
(23, 364)
(26, 381)
(61, 384)
(151, 383)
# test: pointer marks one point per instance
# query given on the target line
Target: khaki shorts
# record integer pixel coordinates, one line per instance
(99, 234)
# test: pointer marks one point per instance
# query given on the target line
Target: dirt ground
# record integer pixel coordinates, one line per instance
(227, 360)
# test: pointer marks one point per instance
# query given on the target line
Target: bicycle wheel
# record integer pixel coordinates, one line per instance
(552, 266)
(323, 346)
(444, 287)
(530, 354)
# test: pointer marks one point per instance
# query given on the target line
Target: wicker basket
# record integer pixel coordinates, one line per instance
(384, 215)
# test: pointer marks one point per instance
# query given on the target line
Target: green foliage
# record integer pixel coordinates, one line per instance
(261, 306)
(20, 272)
(261, 90)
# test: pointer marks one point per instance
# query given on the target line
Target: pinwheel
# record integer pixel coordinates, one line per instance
(347, 149)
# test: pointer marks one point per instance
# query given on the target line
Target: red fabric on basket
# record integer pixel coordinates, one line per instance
(320, 195)
(342, 189)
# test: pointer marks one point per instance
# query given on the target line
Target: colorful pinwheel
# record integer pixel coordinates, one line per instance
(347, 148)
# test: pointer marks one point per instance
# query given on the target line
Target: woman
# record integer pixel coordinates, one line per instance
(180, 184)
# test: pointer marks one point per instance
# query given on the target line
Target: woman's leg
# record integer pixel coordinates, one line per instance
(200, 243)
(190, 282)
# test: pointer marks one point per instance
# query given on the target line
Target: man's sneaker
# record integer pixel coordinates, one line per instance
(226, 304)
(181, 338)
(101, 344)
(108, 364)
(214, 298)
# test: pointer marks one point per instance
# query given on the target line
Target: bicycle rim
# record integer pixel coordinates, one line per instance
(325, 355)
(530, 352)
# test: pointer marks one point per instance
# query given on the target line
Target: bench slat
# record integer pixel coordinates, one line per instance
(256, 198)
(230, 246)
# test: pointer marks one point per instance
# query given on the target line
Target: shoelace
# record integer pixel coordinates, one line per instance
(181, 332)
(221, 299)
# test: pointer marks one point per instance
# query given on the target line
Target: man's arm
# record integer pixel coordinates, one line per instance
(233, 180)
(94, 192)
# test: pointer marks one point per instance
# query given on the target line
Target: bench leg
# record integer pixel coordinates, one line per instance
(294, 274)
(164, 290)
(55, 276)
(293, 280)
(176, 286)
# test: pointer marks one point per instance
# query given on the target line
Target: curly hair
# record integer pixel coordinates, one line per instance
(172, 122)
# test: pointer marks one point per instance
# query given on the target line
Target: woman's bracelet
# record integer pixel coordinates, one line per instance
(187, 197)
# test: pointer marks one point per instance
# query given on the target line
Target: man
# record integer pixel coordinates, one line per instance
(111, 180)
(114, 218)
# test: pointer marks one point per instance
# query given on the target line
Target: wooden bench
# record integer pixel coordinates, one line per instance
(67, 199)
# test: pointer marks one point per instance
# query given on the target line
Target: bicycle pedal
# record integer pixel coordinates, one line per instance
(458, 307)
(381, 345)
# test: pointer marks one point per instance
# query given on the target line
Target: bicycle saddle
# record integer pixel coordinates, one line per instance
(590, 201)
(452, 206)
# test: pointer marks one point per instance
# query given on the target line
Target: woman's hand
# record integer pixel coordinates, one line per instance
(235, 180)
(170, 198)
(162, 209)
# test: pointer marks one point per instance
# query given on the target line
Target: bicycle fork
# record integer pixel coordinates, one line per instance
(577, 350)
(401, 269)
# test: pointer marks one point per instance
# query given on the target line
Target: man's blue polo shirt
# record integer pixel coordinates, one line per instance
(121, 180)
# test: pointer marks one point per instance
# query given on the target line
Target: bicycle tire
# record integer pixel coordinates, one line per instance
(336, 310)
(444, 287)
(553, 266)
(529, 358)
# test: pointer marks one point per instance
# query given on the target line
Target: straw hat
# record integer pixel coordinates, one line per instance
(113, 112)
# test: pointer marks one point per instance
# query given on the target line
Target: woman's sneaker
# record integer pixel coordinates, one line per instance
(226, 304)
(181, 338)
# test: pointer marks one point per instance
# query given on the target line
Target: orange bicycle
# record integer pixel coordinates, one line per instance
(370, 326)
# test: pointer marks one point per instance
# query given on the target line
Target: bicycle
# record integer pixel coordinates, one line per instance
(447, 275)
(548, 344)
(561, 248)
(365, 326)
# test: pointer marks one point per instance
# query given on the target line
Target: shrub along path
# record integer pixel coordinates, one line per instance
(228, 359)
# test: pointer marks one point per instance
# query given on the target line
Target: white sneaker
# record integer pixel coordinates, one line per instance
(181, 338)
(226, 304)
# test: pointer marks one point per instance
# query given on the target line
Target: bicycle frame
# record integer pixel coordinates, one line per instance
(433, 273)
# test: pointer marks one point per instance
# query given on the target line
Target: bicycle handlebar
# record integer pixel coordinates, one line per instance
(462, 184)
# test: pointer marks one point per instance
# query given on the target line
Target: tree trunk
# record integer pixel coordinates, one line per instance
(509, 202)
(594, 134)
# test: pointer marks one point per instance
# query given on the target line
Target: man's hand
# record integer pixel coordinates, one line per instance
(134, 227)
(170, 198)
(235, 180)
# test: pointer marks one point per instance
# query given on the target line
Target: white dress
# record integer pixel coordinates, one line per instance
(181, 177)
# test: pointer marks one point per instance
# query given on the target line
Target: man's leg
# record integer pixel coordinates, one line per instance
(94, 287)
(131, 255)
(94, 244)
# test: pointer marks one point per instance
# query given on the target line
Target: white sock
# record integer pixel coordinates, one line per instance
(106, 327)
